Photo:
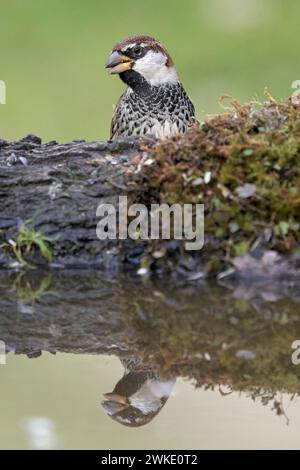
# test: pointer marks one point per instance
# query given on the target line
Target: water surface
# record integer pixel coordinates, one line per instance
(128, 363)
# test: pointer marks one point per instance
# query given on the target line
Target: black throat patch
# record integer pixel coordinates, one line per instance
(135, 81)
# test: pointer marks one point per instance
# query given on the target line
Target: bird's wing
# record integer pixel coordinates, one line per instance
(113, 127)
(115, 122)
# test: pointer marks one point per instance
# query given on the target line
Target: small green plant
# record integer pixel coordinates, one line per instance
(29, 239)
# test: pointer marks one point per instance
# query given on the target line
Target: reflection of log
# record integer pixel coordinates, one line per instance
(204, 333)
(61, 187)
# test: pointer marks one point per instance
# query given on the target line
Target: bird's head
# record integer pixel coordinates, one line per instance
(137, 397)
(145, 57)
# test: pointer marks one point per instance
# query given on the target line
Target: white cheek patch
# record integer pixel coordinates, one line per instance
(153, 68)
(148, 398)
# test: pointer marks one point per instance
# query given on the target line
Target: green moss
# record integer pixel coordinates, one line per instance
(258, 146)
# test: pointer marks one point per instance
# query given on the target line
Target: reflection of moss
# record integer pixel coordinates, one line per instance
(254, 145)
(201, 340)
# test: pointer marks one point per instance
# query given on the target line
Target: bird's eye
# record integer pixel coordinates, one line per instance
(137, 51)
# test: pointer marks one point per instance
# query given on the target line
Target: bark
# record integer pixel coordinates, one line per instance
(60, 187)
(55, 189)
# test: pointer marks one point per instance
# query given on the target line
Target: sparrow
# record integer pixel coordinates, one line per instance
(138, 396)
(155, 102)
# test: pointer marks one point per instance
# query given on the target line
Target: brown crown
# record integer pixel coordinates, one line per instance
(149, 42)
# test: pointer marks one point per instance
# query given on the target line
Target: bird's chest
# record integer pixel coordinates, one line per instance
(160, 114)
(160, 105)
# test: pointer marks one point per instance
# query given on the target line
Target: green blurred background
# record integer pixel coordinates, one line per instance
(53, 54)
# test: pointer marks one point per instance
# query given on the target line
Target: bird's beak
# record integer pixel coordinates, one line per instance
(116, 397)
(118, 63)
(114, 403)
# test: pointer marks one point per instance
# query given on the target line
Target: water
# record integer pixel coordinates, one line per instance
(126, 363)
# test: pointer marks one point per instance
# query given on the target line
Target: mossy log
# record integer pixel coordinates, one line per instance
(244, 166)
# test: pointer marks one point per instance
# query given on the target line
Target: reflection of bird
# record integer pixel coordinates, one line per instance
(137, 397)
(155, 103)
